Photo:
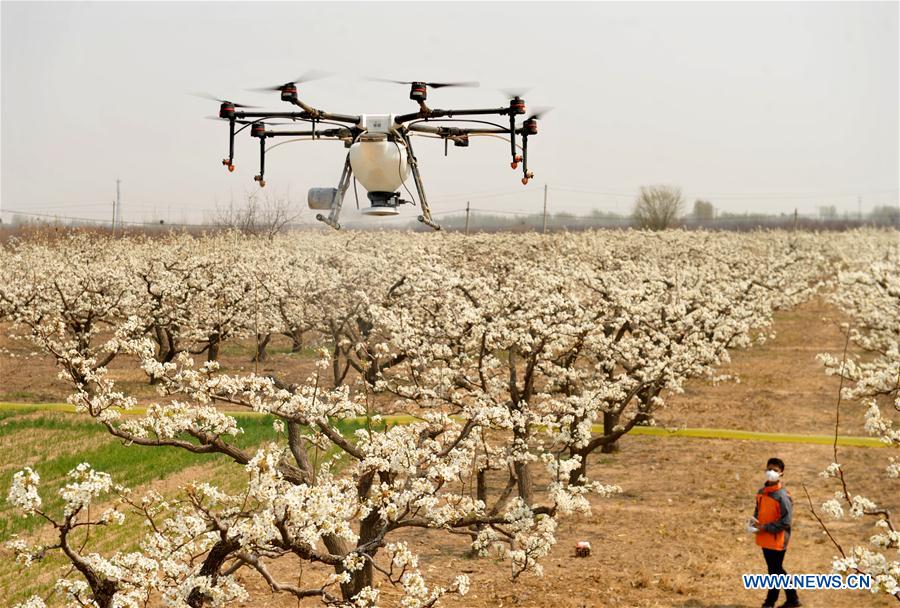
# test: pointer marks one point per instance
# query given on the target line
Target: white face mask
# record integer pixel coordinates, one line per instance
(772, 475)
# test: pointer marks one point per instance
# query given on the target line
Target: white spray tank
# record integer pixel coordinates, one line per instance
(380, 163)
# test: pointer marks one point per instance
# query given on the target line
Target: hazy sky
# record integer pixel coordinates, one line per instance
(755, 106)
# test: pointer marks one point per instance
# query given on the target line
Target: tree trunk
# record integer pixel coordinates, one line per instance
(336, 546)
(212, 354)
(368, 530)
(524, 484)
(576, 475)
(372, 371)
(162, 347)
(339, 367)
(610, 421)
(481, 486)
(166, 349)
(296, 341)
(296, 336)
(211, 566)
(645, 407)
(336, 362)
(261, 343)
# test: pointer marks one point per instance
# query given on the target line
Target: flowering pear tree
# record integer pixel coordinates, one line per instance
(653, 326)
(474, 348)
(123, 579)
(299, 502)
(63, 296)
(869, 292)
(459, 390)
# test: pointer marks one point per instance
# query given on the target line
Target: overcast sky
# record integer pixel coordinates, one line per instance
(755, 106)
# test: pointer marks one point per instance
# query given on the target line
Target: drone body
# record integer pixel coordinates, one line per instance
(380, 162)
(380, 154)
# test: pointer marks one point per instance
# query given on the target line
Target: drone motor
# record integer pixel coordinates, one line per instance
(226, 110)
(289, 92)
(418, 91)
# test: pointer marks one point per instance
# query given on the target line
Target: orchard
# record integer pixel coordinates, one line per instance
(461, 386)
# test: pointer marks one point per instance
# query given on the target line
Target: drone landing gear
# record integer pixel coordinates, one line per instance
(229, 162)
(338, 200)
(429, 222)
(526, 174)
(258, 129)
(425, 218)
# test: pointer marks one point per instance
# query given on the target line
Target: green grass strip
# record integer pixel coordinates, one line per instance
(128, 465)
(701, 433)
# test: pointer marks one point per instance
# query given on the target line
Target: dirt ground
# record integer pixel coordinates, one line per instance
(675, 537)
(28, 377)
(782, 385)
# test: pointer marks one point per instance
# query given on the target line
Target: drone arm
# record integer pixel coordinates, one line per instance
(290, 133)
(337, 201)
(321, 134)
(319, 114)
(311, 114)
(449, 113)
(446, 131)
(295, 115)
(352, 120)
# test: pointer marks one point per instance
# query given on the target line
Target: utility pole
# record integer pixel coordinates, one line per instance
(795, 219)
(467, 218)
(544, 228)
(118, 205)
(114, 218)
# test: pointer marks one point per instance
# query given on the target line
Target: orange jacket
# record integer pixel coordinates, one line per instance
(773, 510)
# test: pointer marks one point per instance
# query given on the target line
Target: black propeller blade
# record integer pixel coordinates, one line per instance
(539, 112)
(219, 118)
(433, 85)
(307, 76)
(514, 92)
(214, 98)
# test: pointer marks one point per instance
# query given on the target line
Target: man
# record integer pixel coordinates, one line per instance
(772, 518)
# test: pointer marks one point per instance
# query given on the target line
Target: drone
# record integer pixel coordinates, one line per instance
(380, 153)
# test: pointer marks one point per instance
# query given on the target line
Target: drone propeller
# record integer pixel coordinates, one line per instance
(539, 112)
(307, 76)
(219, 118)
(516, 92)
(530, 126)
(214, 98)
(418, 89)
(433, 85)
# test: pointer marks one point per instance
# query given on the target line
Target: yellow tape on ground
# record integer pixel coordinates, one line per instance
(867, 442)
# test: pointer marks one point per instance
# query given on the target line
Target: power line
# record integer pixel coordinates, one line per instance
(96, 221)
(533, 192)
